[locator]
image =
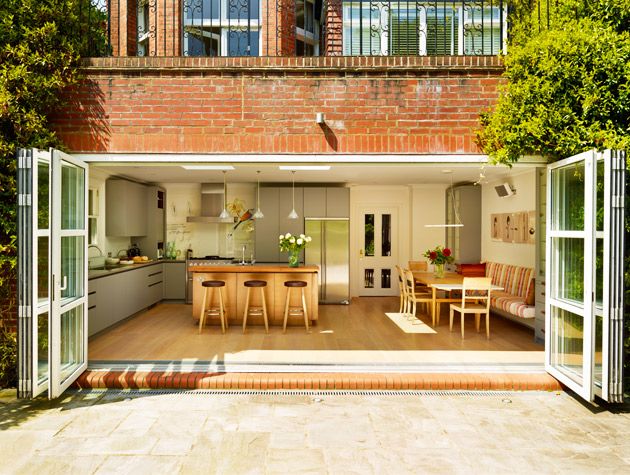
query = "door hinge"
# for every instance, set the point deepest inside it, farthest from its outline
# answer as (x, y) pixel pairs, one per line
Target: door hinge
(25, 159)
(24, 311)
(617, 201)
(24, 199)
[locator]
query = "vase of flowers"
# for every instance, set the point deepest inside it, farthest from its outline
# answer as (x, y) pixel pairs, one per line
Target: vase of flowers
(293, 245)
(438, 257)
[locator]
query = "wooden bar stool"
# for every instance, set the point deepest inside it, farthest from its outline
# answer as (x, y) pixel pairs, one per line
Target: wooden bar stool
(290, 285)
(256, 284)
(208, 294)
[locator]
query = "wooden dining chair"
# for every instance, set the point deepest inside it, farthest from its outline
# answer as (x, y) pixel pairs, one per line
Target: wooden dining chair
(414, 296)
(402, 289)
(418, 266)
(475, 300)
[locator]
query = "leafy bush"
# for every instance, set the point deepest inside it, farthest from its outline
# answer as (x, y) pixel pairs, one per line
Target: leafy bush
(8, 359)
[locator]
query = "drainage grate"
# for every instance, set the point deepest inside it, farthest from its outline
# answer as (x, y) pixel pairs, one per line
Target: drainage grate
(117, 393)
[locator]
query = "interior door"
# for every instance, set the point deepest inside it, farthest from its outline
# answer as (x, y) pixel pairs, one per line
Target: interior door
(379, 251)
(53, 236)
(584, 274)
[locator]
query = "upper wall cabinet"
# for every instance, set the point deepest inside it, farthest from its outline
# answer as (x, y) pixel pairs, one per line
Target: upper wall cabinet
(465, 242)
(125, 208)
(155, 199)
(326, 202)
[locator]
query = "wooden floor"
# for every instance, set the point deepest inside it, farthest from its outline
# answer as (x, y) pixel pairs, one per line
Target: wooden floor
(360, 331)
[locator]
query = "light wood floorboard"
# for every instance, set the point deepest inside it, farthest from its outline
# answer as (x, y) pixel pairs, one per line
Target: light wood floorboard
(168, 332)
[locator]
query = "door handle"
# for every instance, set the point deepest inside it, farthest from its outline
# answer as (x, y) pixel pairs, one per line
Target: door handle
(360, 252)
(65, 284)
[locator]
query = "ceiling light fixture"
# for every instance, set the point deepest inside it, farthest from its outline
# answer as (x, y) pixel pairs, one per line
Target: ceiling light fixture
(258, 214)
(304, 167)
(458, 222)
(224, 214)
(208, 167)
(293, 214)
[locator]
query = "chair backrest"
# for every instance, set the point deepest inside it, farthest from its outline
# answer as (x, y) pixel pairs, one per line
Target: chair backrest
(401, 280)
(418, 266)
(476, 288)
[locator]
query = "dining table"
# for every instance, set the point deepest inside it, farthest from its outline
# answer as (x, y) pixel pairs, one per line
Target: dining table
(451, 281)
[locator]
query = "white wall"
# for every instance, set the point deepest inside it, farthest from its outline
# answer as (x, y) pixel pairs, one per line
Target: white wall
(183, 200)
(427, 207)
(523, 200)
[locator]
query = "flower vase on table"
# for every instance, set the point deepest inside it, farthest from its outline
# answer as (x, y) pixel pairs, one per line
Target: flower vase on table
(293, 245)
(438, 257)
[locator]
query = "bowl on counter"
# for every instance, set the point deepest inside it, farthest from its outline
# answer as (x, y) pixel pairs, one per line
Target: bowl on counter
(110, 261)
(127, 263)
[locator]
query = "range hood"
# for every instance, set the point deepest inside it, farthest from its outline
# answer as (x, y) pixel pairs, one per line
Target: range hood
(211, 205)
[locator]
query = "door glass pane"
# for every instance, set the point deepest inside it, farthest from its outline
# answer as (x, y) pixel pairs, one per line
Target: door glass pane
(567, 342)
(368, 278)
(568, 198)
(42, 347)
(599, 273)
(72, 259)
(42, 269)
(386, 235)
(43, 190)
(71, 341)
(369, 234)
(72, 197)
(599, 197)
(597, 356)
(568, 270)
(386, 278)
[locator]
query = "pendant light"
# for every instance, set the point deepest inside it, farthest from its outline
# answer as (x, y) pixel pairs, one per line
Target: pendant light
(458, 222)
(258, 214)
(293, 214)
(224, 214)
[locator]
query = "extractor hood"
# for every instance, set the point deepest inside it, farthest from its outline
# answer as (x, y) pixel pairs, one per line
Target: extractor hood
(211, 205)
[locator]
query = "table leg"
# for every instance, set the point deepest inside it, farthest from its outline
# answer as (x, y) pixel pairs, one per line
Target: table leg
(433, 297)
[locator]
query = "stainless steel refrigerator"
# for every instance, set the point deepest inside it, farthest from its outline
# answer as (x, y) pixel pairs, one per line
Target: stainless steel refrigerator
(330, 250)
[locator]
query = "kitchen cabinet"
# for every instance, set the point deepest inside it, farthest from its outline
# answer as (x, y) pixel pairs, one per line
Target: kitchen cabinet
(114, 297)
(174, 280)
(155, 198)
(465, 242)
(326, 202)
(125, 208)
(268, 228)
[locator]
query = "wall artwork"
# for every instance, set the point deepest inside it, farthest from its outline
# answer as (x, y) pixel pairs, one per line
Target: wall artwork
(518, 227)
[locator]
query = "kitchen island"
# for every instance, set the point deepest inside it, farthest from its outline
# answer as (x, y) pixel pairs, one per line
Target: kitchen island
(275, 292)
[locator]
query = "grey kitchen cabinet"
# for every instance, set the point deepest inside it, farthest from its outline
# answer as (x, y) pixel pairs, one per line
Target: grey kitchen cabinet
(465, 242)
(115, 297)
(125, 208)
(315, 202)
(268, 228)
(174, 280)
(337, 202)
(155, 199)
(293, 226)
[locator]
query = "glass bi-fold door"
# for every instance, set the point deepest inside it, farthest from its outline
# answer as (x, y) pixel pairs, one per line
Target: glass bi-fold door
(584, 282)
(52, 289)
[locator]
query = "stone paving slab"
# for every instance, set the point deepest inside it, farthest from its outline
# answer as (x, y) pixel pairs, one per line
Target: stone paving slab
(108, 432)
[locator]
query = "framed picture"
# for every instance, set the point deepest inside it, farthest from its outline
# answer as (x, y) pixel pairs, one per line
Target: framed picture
(495, 227)
(531, 227)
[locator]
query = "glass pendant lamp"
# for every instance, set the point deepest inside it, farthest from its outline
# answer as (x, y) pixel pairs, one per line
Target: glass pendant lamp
(258, 214)
(293, 214)
(224, 214)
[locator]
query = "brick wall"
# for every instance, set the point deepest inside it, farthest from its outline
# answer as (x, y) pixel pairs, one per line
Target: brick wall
(383, 105)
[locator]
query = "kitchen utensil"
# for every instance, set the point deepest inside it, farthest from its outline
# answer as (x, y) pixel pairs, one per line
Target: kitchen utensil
(134, 251)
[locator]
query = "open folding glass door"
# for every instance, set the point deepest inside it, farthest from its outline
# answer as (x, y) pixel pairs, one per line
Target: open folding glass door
(584, 283)
(52, 274)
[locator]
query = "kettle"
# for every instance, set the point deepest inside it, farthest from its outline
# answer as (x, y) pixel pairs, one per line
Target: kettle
(134, 251)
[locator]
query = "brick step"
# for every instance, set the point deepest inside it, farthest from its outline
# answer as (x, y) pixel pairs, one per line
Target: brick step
(99, 379)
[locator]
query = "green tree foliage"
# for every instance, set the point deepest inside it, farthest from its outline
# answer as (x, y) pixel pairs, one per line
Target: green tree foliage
(40, 45)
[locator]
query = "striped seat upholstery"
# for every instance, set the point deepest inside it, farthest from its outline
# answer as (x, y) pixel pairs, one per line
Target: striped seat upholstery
(516, 282)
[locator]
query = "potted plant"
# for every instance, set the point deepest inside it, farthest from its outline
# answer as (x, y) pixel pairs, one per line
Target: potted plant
(293, 245)
(438, 257)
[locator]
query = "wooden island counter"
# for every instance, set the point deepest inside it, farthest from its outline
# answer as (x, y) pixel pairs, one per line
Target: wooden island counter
(275, 292)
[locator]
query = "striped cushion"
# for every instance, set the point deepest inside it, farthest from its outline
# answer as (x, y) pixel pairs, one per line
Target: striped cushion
(511, 304)
(495, 271)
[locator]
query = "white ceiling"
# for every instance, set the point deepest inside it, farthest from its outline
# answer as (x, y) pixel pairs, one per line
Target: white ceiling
(351, 174)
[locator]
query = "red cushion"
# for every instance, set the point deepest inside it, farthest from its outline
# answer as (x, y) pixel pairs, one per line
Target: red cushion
(472, 270)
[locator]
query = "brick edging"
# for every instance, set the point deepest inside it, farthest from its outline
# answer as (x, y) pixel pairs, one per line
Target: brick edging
(326, 381)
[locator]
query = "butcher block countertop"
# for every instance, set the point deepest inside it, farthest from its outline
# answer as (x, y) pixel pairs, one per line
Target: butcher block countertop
(263, 268)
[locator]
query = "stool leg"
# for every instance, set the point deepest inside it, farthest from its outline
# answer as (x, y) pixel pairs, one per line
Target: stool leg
(202, 315)
(246, 310)
(221, 310)
(286, 310)
(264, 309)
(225, 313)
(304, 310)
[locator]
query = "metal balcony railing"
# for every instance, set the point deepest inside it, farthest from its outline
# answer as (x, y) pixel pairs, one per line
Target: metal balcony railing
(294, 27)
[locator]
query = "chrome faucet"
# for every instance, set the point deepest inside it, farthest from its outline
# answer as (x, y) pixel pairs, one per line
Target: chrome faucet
(97, 248)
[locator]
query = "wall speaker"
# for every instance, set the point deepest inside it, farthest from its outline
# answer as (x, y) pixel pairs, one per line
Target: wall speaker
(504, 190)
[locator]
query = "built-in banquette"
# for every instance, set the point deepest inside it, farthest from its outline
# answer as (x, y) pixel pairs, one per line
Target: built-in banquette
(516, 300)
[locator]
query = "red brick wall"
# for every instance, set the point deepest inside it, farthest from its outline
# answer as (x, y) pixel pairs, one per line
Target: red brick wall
(415, 105)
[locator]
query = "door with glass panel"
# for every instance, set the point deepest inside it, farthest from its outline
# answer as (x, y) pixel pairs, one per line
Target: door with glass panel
(52, 222)
(584, 281)
(378, 255)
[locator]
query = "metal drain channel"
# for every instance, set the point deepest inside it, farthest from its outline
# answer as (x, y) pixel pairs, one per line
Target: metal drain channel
(117, 393)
